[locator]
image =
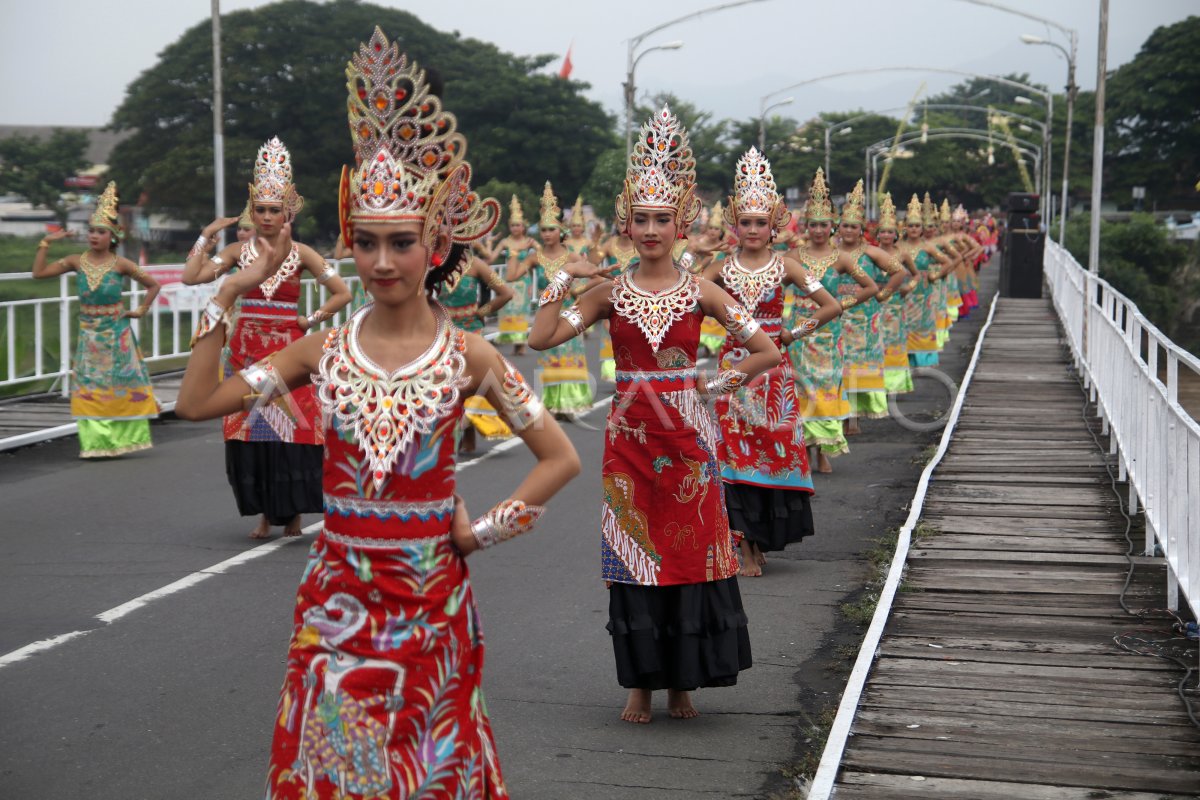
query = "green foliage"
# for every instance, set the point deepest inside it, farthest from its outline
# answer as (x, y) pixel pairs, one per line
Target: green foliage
(503, 192)
(606, 180)
(36, 168)
(284, 74)
(1138, 259)
(1153, 114)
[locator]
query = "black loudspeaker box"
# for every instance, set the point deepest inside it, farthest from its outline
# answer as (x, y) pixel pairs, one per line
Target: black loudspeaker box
(1023, 201)
(1021, 265)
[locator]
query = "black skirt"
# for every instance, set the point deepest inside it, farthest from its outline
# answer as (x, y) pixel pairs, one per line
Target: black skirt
(771, 518)
(678, 637)
(277, 479)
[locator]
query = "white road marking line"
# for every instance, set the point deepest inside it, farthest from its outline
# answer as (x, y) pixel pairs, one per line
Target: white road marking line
(188, 581)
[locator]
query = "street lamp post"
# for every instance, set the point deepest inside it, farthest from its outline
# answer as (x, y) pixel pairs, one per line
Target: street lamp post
(1072, 90)
(762, 121)
(842, 128)
(631, 61)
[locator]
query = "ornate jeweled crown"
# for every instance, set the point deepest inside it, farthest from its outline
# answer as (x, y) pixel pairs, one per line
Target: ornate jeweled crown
(273, 178)
(754, 191)
(854, 211)
(577, 211)
(515, 212)
(914, 211)
(929, 212)
(661, 173)
(960, 214)
(244, 219)
(887, 214)
(551, 214)
(945, 215)
(819, 207)
(408, 153)
(107, 214)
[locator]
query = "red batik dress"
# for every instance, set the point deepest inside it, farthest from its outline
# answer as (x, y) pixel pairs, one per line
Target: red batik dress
(273, 452)
(675, 613)
(764, 462)
(382, 697)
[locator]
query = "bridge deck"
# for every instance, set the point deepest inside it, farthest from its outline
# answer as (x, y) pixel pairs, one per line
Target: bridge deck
(998, 676)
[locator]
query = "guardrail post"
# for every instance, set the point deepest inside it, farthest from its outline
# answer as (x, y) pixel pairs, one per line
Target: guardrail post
(64, 334)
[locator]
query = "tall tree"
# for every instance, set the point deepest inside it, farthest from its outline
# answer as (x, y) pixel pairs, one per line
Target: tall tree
(284, 75)
(37, 168)
(1154, 116)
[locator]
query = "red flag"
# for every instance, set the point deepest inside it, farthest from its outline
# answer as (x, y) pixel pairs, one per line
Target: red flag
(565, 72)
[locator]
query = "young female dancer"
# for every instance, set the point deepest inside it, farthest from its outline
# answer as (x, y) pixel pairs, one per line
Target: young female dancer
(382, 696)
(675, 613)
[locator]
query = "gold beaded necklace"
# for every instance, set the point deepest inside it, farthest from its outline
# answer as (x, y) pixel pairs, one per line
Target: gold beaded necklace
(817, 268)
(94, 273)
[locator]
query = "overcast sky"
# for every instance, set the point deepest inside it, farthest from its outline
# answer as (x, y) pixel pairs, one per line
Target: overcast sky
(67, 62)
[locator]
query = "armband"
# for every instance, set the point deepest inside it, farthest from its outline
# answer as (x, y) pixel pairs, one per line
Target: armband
(519, 405)
(556, 290)
(573, 319)
(138, 272)
(220, 262)
(725, 381)
(811, 285)
(327, 273)
(805, 328)
(495, 281)
(509, 518)
(687, 261)
(856, 271)
(210, 320)
(849, 302)
(740, 325)
(264, 382)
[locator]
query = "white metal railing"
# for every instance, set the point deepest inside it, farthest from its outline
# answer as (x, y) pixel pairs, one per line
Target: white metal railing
(33, 354)
(1131, 371)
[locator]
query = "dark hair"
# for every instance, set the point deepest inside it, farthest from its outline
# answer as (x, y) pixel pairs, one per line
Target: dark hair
(459, 253)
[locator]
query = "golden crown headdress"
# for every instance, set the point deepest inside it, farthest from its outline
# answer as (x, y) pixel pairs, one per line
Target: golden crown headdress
(887, 214)
(273, 178)
(929, 212)
(945, 211)
(107, 214)
(244, 219)
(914, 211)
(408, 154)
(716, 217)
(577, 211)
(661, 173)
(754, 191)
(551, 216)
(854, 211)
(515, 212)
(960, 214)
(819, 207)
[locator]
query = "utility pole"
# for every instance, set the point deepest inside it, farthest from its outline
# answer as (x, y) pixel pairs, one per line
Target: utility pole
(1098, 142)
(218, 123)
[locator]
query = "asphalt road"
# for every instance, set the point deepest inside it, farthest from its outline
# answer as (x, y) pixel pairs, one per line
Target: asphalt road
(175, 698)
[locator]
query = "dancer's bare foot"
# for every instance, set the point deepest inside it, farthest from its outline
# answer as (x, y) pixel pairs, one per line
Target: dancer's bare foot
(262, 530)
(851, 427)
(637, 707)
(293, 527)
(760, 556)
(823, 464)
(518, 349)
(679, 705)
(750, 566)
(466, 443)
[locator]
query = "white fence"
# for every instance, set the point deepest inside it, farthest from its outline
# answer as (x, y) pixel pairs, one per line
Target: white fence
(1132, 372)
(39, 332)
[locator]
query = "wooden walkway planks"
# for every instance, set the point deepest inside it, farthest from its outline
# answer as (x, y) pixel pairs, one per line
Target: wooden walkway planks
(998, 676)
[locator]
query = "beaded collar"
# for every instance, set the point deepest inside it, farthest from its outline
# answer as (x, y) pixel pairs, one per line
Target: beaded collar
(286, 270)
(654, 312)
(94, 273)
(817, 268)
(752, 286)
(388, 411)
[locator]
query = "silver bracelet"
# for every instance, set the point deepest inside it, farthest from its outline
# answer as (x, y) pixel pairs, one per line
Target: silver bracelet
(556, 290)
(804, 328)
(198, 247)
(726, 381)
(263, 379)
(508, 519)
(573, 318)
(687, 260)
